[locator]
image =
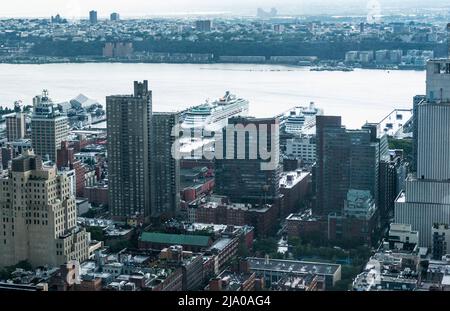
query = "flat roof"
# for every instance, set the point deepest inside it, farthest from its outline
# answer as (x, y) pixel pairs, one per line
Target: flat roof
(297, 176)
(175, 239)
(221, 244)
(293, 266)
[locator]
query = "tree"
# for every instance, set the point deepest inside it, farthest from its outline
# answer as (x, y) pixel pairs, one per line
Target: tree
(24, 264)
(96, 233)
(404, 144)
(243, 250)
(266, 246)
(118, 246)
(348, 274)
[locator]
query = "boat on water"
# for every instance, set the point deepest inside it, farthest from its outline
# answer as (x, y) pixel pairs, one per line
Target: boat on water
(213, 116)
(332, 68)
(299, 120)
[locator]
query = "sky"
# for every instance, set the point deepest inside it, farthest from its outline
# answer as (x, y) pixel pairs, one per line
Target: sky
(134, 8)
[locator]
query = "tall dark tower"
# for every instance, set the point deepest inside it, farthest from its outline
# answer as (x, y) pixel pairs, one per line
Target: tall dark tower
(239, 173)
(166, 168)
(346, 160)
(93, 17)
(129, 152)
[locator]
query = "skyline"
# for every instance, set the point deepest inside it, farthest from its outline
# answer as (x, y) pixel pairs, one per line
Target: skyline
(138, 8)
(255, 146)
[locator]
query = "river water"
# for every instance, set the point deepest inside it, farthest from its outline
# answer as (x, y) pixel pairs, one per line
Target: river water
(358, 96)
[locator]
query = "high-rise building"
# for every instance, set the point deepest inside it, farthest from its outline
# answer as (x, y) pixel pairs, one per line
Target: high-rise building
(392, 174)
(440, 246)
(15, 126)
(7, 154)
(115, 17)
(346, 159)
(438, 81)
(166, 172)
(240, 172)
(39, 216)
(49, 127)
(203, 25)
(93, 19)
(129, 129)
(426, 199)
(440, 234)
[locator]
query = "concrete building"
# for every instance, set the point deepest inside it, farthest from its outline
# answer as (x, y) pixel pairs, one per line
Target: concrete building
(392, 174)
(66, 159)
(351, 56)
(115, 17)
(303, 148)
(118, 50)
(153, 240)
(49, 127)
(366, 57)
(93, 19)
(294, 186)
(305, 225)
(346, 159)
(440, 234)
(389, 270)
(15, 126)
(274, 270)
(426, 199)
(129, 129)
(166, 173)
(240, 171)
(401, 235)
(438, 81)
(203, 25)
(97, 195)
(262, 218)
(7, 154)
(233, 281)
(359, 204)
(45, 230)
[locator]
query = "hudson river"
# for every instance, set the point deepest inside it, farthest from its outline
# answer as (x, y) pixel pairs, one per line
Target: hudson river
(358, 96)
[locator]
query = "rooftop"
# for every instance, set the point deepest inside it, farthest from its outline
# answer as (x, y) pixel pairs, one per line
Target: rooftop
(175, 239)
(291, 179)
(293, 266)
(305, 216)
(221, 244)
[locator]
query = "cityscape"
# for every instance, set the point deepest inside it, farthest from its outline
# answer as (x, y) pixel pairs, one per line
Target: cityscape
(122, 193)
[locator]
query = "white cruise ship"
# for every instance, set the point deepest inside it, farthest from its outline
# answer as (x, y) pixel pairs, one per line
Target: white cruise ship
(300, 120)
(214, 116)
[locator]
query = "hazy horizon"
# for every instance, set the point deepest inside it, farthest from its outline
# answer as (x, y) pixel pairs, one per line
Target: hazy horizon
(135, 8)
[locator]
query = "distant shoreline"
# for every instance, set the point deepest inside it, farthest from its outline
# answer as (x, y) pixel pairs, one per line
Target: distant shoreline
(53, 62)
